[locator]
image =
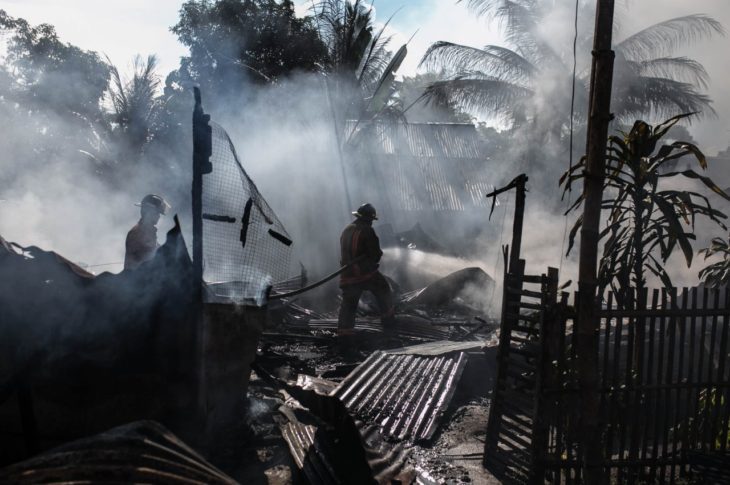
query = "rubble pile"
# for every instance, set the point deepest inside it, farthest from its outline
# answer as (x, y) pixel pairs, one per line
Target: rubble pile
(407, 389)
(387, 407)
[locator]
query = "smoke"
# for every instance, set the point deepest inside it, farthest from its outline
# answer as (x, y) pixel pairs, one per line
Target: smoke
(63, 204)
(286, 139)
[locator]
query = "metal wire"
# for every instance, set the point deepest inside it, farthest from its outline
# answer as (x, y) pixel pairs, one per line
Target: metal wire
(499, 253)
(246, 249)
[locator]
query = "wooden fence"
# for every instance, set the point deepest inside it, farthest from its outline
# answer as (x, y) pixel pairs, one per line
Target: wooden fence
(515, 437)
(664, 384)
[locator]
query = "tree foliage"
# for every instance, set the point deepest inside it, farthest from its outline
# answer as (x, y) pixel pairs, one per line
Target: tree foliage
(232, 41)
(360, 64)
(717, 274)
(356, 51)
(135, 104)
(51, 75)
(51, 96)
(528, 78)
(645, 222)
(411, 91)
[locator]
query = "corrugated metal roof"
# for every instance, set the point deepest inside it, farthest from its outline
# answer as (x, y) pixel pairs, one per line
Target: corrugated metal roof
(422, 166)
(404, 394)
(444, 140)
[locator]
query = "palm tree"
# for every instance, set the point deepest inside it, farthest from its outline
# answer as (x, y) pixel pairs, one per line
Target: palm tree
(135, 105)
(359, 57)
(527, 79)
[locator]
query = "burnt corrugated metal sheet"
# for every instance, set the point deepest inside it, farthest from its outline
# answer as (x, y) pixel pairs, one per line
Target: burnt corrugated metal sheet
(422, 166)
(315, 458)
(405, 328)
(403, 394)
(139, 452)
(439, 348)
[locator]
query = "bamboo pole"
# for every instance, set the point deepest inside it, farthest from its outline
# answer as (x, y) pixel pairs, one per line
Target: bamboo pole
(588, 323)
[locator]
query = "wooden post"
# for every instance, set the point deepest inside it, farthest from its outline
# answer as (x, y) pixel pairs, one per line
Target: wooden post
(519, 184)
(494, 421)
(202, 150)
(587, 322)
(542, 412)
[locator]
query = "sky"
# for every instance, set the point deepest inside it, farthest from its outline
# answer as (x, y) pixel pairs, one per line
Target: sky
(122, 28)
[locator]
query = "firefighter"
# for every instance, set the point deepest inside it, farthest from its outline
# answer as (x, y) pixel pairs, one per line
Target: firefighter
(359, 240)
(141, 243)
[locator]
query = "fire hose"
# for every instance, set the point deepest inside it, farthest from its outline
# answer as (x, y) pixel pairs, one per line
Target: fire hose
(317, 283)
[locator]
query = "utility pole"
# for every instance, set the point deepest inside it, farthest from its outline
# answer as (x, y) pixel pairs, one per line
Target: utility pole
(599, 117)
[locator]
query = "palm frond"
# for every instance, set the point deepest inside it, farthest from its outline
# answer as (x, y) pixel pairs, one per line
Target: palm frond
(664, 38)
(498, 62)
(681, 69)
(520, 21)
(377, 56)
(475, 92)
(374, 64)
(659, 97)
(518, 18)
(494, 8)
(134, 100)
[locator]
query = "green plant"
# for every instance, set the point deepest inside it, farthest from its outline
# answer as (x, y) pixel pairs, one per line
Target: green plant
(716, 274)
(644, 223)
(706, 422)
(135, 105)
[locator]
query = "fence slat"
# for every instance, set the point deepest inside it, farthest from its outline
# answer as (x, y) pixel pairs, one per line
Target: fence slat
(679, 325)
(725, 422)
(637, 420)
(651, 396)
(658, 408)
(625, 417)
(615, 389)
(605, 401)
(720, 376)
(690, 392)
(671, 350)
(701, 375)
(708, 438)
(660, 353)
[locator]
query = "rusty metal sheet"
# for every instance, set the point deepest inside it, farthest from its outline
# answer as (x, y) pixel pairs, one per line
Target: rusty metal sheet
(404, 394)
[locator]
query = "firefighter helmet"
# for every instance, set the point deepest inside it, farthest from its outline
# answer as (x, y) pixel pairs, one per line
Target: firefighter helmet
(156, 202)
(366, 211)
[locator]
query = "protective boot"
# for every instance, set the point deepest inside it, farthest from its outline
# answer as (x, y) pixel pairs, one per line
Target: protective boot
(345, 339)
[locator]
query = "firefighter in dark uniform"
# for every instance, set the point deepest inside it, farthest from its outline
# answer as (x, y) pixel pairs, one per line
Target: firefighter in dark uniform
(359, 240)
(141, 243)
